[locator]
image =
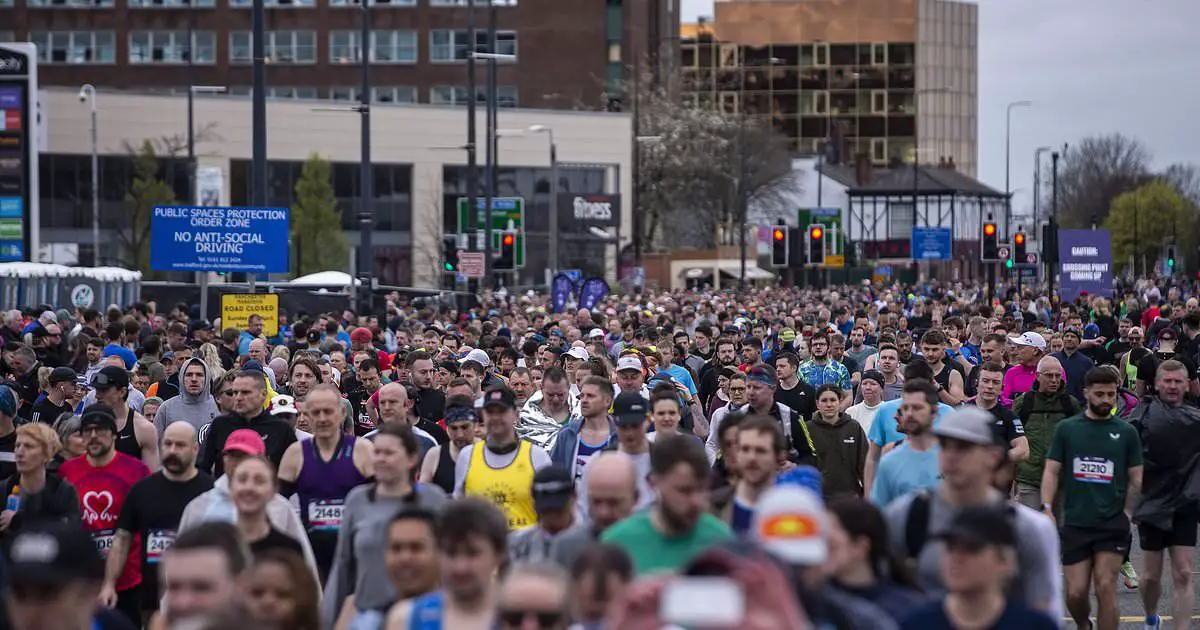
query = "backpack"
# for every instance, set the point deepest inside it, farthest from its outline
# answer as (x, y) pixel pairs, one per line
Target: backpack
(916, 526)
(1026, 410)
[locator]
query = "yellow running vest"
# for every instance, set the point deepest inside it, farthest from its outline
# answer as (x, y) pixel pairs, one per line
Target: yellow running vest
(509, 488)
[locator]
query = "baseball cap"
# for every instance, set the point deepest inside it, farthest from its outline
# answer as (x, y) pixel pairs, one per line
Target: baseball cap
(111, 376)
(62, 374)
(54, 554)
(968, 424)
(1091, 331)
(246, 441)
(1030, 339)
(790, 522)
(499, 395)
(361, 335)
(99, 416)
(629, 409)
(629, 362)
(578, 353)
(8, 401)
(596, 333)
(284, 405)
(113, 350)
(553, 487)
(478, 356)
(980, 525)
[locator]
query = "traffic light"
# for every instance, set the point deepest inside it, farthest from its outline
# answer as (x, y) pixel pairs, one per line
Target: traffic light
(989, 245)
(779, 246)
(450, 254)
(816, 244)
(506, 261)
(1170, 258)
(1018, 253)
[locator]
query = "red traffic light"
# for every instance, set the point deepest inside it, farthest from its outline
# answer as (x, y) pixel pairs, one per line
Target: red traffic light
(815, 233)
(778, 234)
(508, 240)
(1019, 238)
(989, 229)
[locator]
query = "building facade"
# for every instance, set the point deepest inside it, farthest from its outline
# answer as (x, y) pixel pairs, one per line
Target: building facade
(894, 80)
(569, 54)
(418, 170)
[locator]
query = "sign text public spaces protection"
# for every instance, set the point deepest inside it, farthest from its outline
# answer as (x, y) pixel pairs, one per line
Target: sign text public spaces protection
(190, 238)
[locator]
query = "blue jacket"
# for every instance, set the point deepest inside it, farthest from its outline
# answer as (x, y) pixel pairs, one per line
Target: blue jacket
(562, 453)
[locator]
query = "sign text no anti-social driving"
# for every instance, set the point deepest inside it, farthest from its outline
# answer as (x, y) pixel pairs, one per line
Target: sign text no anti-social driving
(194, 238)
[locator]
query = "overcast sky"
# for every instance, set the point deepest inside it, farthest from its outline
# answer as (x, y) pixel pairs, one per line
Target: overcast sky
(1090, 67)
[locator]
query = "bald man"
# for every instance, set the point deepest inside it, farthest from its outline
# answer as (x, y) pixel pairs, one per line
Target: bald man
(394, 407)
(152, 511)
(610, 490)
(1040, 410)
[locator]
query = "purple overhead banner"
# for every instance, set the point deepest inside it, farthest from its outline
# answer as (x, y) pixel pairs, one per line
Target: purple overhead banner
(1085, 258)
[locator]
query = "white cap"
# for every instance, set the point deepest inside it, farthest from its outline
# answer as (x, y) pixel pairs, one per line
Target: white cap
(1031, 339)
(596, 333)
(629, 362)
(283, 404)
(578, 353)
(478, 356)
(790, 522)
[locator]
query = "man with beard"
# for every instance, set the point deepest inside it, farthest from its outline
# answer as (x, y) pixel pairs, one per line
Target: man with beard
(1168, 339)
(369, 382)
(152, 512)
(947, 376)
(678, 525)
(194, 404)
(554, 398)
(249, 390)
(760, 446)
(821, 369)
(913, 465)
(725, 356)
(104, 478)
(1099, 491)
(429, 402)
(438, 466)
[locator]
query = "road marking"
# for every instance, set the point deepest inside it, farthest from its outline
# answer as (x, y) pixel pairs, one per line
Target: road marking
(1141, 618)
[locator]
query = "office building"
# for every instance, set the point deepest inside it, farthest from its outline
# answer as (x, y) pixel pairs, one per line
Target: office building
(888, 79)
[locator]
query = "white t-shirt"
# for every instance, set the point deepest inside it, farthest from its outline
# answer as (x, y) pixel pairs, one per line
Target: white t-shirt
(863, 414)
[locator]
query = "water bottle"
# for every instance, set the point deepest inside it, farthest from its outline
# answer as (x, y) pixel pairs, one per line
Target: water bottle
(14, 500)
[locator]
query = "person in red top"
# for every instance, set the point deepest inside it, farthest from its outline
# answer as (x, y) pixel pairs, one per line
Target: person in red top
(103, 478)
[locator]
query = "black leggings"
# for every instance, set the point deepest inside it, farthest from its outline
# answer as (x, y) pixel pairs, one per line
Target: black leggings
(129, 604)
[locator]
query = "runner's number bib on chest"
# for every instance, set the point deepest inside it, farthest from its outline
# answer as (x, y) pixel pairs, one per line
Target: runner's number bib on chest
(158, 541)
(1093, 469)
(104, 540)
(326, 514)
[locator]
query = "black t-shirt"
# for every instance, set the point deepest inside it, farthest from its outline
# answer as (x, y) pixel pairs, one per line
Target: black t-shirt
(8, 461)
(276, 539)
(801, 398)
(430, 404)
(363, 424)
(1147, 368)
(153, 509)
(46, 411)
(1008, 427)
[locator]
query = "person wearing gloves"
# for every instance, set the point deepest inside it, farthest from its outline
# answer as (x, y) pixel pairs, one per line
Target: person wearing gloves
(194, 404)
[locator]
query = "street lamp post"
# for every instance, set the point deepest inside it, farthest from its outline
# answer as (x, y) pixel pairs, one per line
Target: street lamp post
(553, 195)
(88, 93)
(1008, 160)
(1037, 184)
(192, 168)
(491, 147)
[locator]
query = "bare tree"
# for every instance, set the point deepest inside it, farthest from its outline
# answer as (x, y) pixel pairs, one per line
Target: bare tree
(1185, 178)
(1092, 173)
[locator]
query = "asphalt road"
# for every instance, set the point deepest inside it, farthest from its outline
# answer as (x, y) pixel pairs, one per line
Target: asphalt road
(1131, 601)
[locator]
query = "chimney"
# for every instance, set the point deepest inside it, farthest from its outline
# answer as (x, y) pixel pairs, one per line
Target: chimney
(864, 171)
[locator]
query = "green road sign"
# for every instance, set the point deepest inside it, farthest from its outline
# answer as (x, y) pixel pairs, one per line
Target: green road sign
(506, 212)
(831, 218)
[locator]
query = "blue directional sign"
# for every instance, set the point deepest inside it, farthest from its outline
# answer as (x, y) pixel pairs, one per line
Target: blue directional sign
(192, 238)
(932, 243)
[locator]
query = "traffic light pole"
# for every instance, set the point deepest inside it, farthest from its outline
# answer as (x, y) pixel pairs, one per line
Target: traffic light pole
(1053, 225)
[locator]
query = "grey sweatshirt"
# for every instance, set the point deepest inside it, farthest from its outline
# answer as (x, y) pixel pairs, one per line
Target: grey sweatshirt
(358, 567)
(198, 410)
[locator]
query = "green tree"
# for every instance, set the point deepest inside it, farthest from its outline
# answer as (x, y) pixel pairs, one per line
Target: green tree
(317, 240)
(1142, 220)
(146, 192)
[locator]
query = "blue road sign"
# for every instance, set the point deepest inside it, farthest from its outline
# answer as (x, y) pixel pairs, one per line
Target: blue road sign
(188, 238)
(932, 243)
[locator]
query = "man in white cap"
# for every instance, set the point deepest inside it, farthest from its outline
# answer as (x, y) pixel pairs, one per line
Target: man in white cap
(631, 376)
(572, 359)
(1019, 378)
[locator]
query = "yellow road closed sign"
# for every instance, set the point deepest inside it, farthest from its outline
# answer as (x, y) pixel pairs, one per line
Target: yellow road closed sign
(236, 309)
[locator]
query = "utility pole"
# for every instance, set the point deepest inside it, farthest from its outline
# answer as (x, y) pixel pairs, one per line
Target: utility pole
(258, 170)
(472, 183)
(366, 213)
(1052, 228)
(492, 145)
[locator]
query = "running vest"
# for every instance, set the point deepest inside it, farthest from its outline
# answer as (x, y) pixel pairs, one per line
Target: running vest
(321, 488)
(443, 475)
(509, 488)
(427, 612)
(127, 440)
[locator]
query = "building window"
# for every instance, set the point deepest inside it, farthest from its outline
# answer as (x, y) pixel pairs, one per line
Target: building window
(374, 3)
(73, 4)
(170, 47)
(273, 3)
(344, 47)
(451, 45)
(448, 95)
(394, 46)
(879, 54)
(729, 102)
(171, 3)
(821, 55)
(343, 93)
(394, 94)
(479, 3)
(614, 52)
(879, 153)
(286, 92)
(75, 47)
(284, 47)
(728, 54)
(879, 104)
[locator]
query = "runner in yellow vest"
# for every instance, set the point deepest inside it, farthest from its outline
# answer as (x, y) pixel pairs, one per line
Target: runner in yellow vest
(500, 469)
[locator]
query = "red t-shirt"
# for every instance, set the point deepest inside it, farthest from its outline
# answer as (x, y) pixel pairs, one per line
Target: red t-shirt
(102, 491)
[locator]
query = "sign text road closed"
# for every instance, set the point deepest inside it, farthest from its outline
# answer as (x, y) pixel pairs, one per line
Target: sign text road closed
(190, 238)
(236, 309)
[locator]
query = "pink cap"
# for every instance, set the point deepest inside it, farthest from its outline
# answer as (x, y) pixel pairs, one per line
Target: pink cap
(246, 441)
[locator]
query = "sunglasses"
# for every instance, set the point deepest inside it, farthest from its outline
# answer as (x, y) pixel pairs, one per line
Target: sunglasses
(514, 618)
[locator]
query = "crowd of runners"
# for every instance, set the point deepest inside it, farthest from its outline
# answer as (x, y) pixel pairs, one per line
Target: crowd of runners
(849, 458)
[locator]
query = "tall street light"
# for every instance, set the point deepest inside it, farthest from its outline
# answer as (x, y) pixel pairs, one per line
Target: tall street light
(1008, 159)
(1037, 184)
(193, 90)
(553, 195)
(491, 148)
(88, 93)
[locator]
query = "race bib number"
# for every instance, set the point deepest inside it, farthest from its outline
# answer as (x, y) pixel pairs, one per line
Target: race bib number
(325, 515)
(104, 541)
(1093, 470)
(158, 541)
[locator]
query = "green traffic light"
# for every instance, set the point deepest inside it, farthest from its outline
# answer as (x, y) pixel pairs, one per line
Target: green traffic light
(1170, 262)
(448, 266)
(1008, 264)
